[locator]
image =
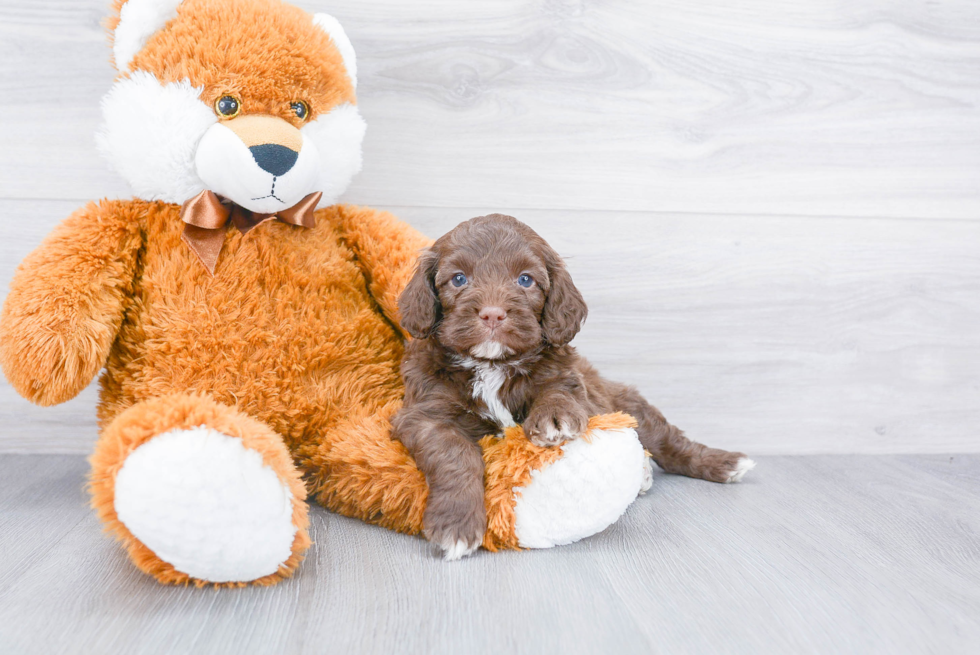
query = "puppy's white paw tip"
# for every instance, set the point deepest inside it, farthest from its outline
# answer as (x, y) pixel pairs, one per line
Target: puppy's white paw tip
(457, 550)
(647, 480)
(743, 466)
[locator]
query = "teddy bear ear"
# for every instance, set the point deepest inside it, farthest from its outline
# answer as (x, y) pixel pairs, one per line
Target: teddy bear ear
(136, 23)
(332, 27)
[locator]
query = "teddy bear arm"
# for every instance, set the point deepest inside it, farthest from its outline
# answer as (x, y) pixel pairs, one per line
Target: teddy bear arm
(386, 250)
(66, 303)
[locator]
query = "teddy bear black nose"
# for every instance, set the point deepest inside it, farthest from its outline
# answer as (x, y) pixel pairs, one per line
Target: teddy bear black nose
(274, 158)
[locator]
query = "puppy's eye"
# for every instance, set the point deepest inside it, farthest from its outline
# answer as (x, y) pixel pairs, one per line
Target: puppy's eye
(525, 280)
(459, 280)
(301, 109)
(227, 106)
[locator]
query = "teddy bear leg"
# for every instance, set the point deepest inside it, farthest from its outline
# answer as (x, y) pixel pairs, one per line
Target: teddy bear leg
(358, 470)
(199, 492)
(535, 497)
(542, 497)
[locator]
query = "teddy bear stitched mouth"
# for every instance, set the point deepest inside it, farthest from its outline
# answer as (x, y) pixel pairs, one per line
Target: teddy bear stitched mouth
(272, 192)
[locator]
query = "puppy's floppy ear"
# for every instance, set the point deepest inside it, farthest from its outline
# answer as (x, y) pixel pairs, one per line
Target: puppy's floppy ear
(418, 304)
(564, 308)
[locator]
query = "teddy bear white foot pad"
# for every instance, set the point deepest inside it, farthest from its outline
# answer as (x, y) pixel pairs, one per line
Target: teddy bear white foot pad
(207, 505)
(582, 493)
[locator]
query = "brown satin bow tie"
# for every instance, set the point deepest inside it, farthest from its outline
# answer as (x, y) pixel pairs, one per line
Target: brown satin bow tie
(206, 215)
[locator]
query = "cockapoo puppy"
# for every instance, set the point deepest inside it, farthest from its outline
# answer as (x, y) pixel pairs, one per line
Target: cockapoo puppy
(492, 309)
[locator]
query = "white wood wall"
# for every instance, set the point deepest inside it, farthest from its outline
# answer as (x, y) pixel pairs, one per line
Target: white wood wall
(772, 206)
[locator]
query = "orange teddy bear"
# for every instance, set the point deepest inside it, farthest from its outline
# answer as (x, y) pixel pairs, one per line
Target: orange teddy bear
(247, 325)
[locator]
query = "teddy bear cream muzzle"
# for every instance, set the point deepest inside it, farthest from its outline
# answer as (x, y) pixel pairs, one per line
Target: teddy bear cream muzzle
(274, 143)
(259, 162)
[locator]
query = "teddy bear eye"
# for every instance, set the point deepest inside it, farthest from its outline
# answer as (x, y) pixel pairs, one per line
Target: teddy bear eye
(301, 109)
(227, 106)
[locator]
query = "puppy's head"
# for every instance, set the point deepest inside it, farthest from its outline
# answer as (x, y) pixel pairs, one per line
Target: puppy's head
(492, 289)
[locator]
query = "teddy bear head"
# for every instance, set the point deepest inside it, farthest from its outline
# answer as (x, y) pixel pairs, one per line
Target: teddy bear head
(250, 99)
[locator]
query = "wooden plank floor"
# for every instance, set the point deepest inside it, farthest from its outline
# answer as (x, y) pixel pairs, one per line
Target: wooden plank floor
(816, 554)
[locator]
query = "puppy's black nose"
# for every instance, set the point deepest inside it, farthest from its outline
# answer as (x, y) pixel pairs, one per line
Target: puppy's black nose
(274, 158)
(492, 315)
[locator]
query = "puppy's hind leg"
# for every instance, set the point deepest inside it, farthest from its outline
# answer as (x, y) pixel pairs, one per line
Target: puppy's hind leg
(671, 450)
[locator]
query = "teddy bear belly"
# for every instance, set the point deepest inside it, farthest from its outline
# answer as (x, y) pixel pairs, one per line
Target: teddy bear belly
(296, 350)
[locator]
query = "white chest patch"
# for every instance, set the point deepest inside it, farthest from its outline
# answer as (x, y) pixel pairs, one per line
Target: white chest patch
(487, 380)
(491, 350)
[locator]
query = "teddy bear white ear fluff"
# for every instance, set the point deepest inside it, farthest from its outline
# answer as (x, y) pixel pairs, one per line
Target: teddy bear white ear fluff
(150, 134)
(138, 21)
(332, 26)
(337, 136)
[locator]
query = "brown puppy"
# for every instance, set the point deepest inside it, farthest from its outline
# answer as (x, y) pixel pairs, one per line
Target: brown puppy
(492, 310)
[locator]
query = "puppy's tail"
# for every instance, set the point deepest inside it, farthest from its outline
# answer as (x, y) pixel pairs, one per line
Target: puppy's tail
(671, 450)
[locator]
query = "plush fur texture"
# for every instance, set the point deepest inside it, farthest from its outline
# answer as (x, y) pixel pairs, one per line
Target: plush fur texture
(291, 346)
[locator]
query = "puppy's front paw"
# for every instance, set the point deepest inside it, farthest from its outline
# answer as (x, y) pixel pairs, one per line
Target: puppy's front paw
(723, 466)
(455, 531)
(551, 425)
(454, 550)
(742, 466)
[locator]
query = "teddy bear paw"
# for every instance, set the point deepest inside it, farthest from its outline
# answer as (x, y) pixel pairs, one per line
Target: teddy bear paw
(583, 492)
(206, 505)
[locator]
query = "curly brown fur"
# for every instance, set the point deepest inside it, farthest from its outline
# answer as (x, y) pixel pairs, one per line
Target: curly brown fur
(492, 309)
